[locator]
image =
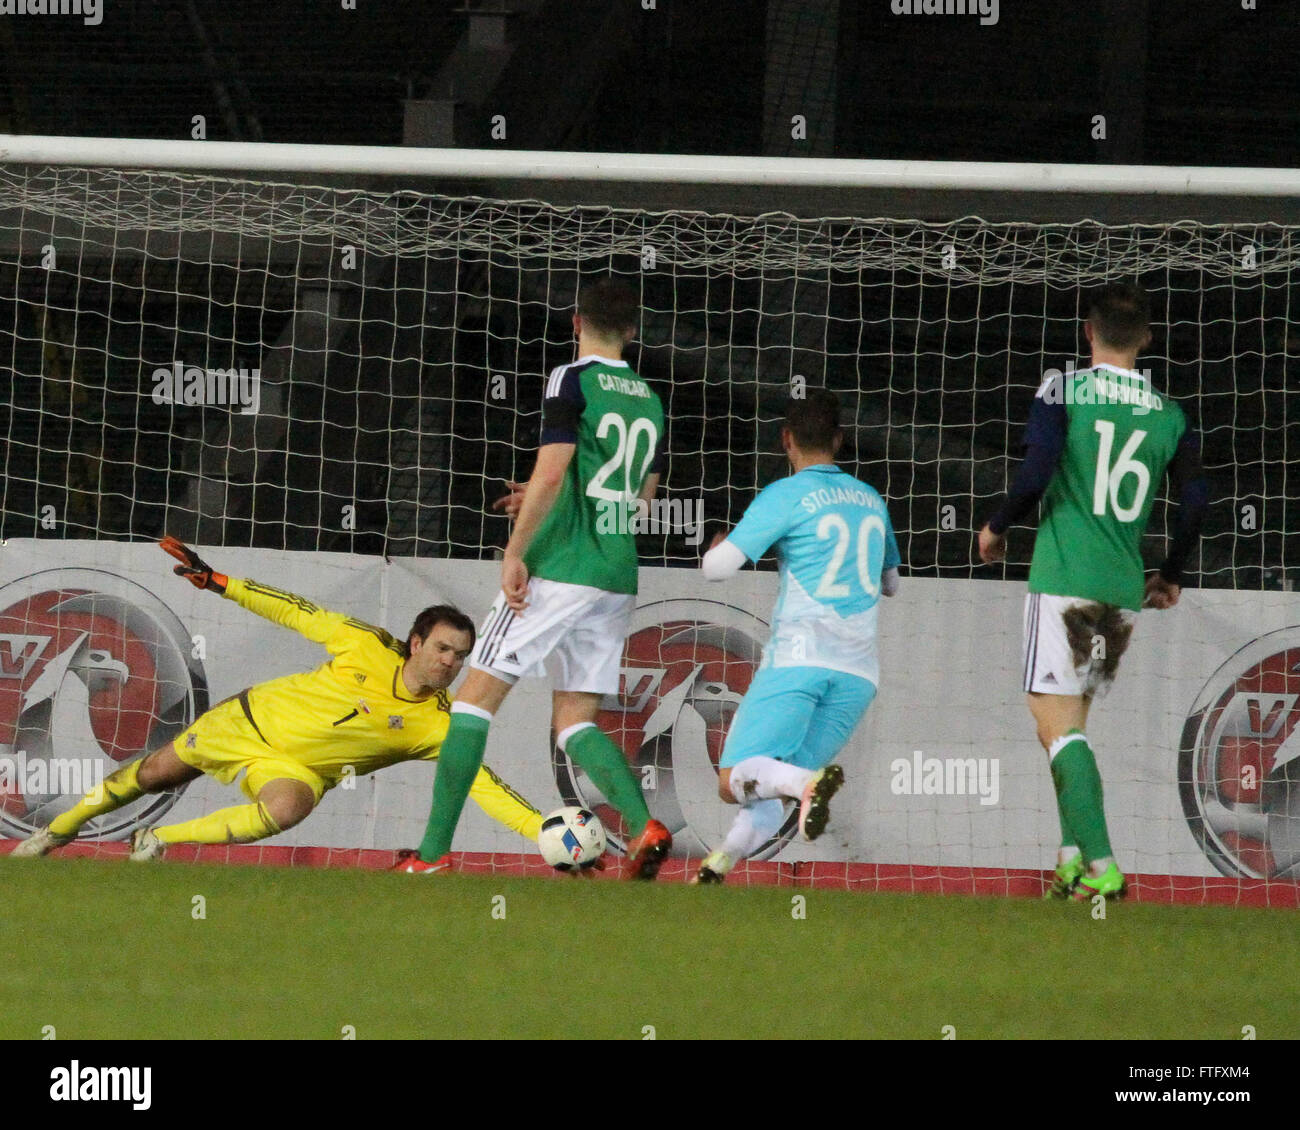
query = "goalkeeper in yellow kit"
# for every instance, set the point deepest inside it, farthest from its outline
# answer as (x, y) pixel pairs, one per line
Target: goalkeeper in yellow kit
(377, 702)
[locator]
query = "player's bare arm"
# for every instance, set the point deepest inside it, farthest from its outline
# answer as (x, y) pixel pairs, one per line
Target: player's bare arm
(510, 502)
(992, 547)
(543, 488)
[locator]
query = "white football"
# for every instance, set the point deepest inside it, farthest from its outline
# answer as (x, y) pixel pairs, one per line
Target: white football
(571, 839)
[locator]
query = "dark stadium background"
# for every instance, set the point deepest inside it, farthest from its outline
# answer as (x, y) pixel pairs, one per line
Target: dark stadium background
(1200, 83)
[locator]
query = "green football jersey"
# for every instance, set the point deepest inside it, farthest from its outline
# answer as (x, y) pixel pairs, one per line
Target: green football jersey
(616, 421)
(1120, 438)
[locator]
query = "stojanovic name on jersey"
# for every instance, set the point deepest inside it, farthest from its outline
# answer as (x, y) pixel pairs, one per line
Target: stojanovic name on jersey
(1089, 386)
(102, 1084)
(829, 496)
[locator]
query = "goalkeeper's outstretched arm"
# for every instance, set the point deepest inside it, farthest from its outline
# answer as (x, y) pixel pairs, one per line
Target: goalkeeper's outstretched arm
(504, 805)
(280, 607)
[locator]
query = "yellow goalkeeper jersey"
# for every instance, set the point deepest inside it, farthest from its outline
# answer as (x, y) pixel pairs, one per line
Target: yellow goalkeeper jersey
(355, 711)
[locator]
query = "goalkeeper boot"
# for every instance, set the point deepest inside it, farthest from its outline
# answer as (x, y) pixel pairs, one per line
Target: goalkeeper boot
(145, 846)
(410, 863)
(1065, 878)
(646, 853)
(1109, 884)
(814, 806)
(39, 844)
(714, 869)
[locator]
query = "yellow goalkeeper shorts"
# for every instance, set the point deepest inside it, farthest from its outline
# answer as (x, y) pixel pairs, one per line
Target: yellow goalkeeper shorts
(224, 743)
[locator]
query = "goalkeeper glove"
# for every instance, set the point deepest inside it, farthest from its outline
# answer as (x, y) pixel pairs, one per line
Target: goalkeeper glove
(193, 568)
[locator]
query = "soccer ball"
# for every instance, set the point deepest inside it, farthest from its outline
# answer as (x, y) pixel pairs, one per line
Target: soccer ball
(571, 839)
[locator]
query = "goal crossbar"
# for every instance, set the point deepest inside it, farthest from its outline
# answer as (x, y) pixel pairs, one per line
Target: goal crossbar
(812, 172)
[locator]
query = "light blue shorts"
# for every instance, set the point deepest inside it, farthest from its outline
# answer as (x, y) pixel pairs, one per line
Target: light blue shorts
(801, 715)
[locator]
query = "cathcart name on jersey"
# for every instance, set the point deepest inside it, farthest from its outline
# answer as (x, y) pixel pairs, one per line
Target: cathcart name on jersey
(626, 385)
(658, 516)
(829, 496)
(1073, 387)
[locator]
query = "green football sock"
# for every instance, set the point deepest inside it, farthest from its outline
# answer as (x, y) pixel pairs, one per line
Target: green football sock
(459, 759)
(592, 750)
(1078, 794)
(1068, 838)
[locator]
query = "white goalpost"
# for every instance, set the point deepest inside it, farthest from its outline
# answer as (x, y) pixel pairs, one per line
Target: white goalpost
(483, 164)
(333, 357)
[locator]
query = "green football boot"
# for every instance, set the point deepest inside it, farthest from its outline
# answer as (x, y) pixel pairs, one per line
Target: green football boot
(1065, 878)
(1109, 884)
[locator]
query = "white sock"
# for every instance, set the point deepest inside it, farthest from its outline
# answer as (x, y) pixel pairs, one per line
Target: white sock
(754, 825)
(1098, 866)
(764, 778)
(1065, 854)
(562, 738)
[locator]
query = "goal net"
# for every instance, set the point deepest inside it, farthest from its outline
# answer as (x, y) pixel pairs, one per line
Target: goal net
(327, 387)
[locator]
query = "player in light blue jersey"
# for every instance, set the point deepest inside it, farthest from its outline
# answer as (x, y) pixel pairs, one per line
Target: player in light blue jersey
(837, 554)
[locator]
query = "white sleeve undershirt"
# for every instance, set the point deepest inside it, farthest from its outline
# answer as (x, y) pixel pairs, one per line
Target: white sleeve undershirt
(727, 559)
(724, 560)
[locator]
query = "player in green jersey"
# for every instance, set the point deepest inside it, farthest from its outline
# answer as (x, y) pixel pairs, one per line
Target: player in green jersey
(1097, 446)
(568, 579)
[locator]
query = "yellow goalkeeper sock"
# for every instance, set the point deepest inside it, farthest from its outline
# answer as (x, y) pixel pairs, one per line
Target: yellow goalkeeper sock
(115, 790)
(241, 824)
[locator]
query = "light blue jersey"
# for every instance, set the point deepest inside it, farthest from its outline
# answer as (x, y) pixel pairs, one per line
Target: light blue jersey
(833, 540)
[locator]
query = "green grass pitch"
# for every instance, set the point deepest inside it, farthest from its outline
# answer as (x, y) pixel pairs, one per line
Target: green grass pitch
(104, 949)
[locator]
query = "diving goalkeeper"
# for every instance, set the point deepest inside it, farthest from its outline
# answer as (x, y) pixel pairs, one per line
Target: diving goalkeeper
(377, 702)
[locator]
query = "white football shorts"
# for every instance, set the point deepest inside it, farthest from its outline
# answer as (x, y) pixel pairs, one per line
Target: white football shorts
(1072, 645)
(573, 633)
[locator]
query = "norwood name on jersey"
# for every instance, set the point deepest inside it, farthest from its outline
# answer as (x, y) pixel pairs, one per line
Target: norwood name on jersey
(1095, 386)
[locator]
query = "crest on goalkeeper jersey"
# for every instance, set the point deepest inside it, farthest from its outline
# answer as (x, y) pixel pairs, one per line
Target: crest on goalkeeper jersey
(1239, 761)
(93, 668)
(686, 666)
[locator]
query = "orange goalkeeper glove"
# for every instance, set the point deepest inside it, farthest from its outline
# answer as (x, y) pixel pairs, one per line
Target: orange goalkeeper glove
(193, 568)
